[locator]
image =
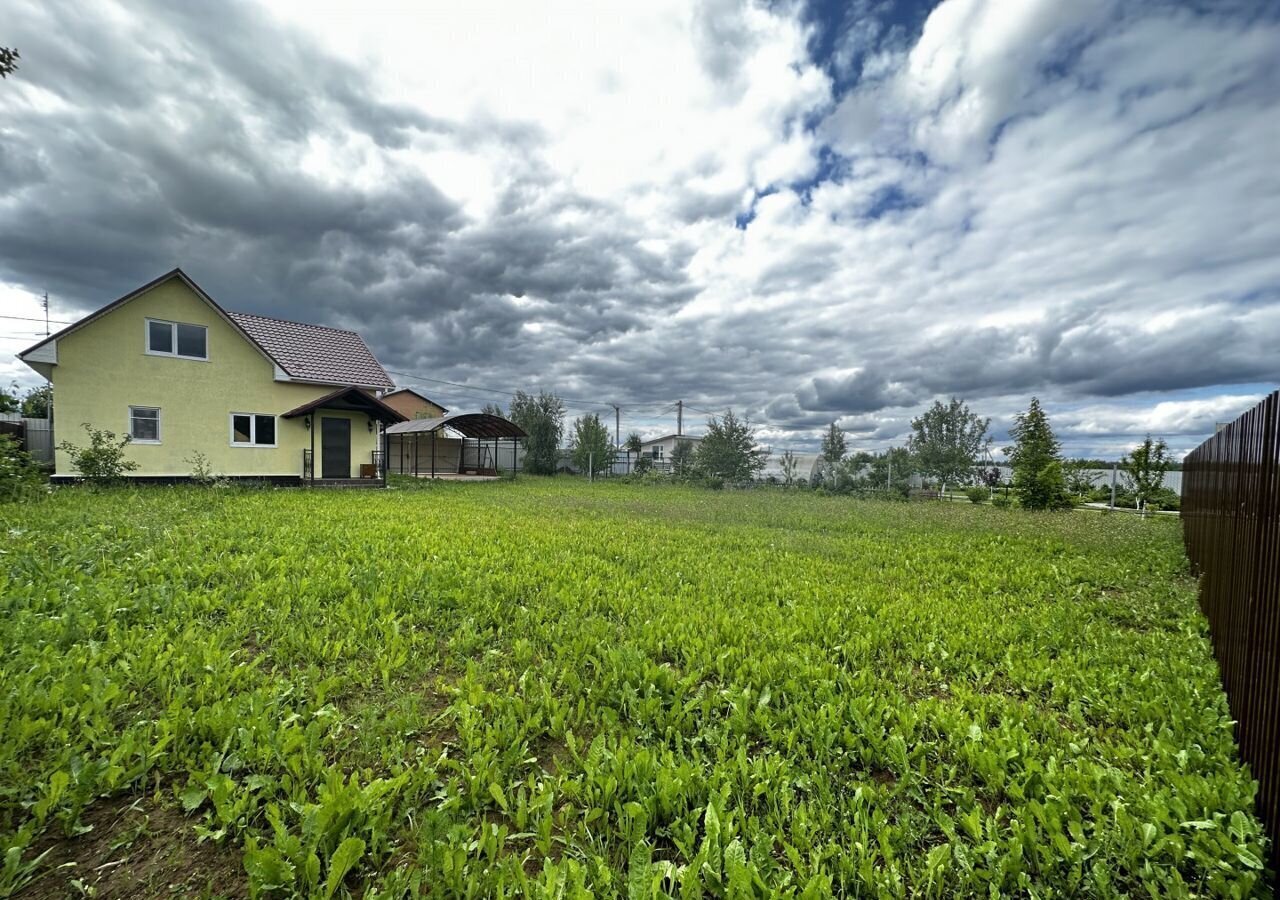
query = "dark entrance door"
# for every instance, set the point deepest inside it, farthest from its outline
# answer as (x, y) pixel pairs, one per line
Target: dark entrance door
(335, 448)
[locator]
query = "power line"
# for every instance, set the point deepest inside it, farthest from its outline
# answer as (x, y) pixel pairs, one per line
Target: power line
(32, 319)
(578, 402)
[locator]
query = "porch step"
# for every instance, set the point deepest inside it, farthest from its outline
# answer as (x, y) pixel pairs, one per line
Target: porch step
(346, 483)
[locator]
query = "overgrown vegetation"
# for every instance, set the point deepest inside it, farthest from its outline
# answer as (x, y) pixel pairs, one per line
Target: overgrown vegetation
(20, 477)
(544, 688)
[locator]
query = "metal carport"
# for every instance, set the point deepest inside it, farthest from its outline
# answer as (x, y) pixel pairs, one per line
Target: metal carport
(414, 446)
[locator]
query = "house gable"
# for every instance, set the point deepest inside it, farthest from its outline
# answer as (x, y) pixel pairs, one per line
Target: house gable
(413, 405)
(313, 354)
(45, 353)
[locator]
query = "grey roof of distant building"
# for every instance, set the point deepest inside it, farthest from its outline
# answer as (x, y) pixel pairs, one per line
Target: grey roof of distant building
(667, 437)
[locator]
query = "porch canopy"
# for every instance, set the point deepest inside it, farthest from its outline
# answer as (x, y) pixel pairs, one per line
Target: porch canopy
(346, 399)
(479, 459)
(351, 399)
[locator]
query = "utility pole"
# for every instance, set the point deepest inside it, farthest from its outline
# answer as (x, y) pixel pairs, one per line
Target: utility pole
(679, 417)
(617, 425)
(45, 304)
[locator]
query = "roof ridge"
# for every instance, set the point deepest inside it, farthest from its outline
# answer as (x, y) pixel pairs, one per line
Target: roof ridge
(294, 322)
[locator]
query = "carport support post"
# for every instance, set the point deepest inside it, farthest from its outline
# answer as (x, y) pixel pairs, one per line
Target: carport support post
(433, 455)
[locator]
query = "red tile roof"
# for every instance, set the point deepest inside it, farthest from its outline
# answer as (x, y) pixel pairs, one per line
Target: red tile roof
(315, 352)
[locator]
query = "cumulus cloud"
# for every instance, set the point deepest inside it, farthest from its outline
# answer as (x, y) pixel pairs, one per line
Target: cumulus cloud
(805, 217)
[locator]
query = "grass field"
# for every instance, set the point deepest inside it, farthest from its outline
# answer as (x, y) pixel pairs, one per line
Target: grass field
(549, 688)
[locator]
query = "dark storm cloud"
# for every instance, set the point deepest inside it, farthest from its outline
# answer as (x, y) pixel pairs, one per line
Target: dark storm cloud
(177, 143)
(162, 135)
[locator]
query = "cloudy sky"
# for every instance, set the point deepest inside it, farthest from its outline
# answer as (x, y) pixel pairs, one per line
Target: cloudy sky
(806, 211)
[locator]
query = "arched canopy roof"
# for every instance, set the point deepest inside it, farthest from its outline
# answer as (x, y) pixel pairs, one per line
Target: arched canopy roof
(472, 425)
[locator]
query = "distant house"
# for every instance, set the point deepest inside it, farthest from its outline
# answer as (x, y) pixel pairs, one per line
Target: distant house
(412, 405)
(659, 449)
(258, 397)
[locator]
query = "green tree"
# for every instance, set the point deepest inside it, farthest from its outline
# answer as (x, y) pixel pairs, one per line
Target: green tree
(946, 441)
(1144, 469)
(683, 458)
(892, 469)
(633, 442)
(10, 402)
(833, 445)
(729, 449)
(493, 409)
(542, 419)
(789, 465)
(8, 61)
(36, 402)
(1076, 477)
(103, 461)
(1035, 458)
(592, 449)
(832, 454)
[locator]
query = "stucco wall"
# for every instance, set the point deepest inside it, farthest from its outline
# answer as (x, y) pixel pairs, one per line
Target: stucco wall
(103, 369)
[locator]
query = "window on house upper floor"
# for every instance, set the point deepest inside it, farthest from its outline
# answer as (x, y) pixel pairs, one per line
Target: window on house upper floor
(253, 430)
(144, 424)
(177, 339)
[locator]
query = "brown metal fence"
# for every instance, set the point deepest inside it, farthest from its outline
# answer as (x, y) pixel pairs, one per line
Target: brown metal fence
(1231, 524)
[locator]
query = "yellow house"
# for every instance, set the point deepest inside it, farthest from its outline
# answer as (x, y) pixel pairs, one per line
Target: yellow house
(258, 397)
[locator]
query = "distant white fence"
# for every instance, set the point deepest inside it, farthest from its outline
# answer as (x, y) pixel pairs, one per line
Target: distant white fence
(1102, 478)
(36, 435)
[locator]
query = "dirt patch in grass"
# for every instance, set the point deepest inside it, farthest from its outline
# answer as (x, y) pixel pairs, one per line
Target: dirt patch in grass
(883, 777)
(551, 753)
(135, 850)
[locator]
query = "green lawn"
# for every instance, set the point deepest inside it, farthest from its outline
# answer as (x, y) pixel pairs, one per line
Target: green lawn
(549, 688)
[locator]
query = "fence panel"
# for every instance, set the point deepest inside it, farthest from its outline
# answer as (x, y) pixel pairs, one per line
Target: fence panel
(36, 435)
(1231, 525)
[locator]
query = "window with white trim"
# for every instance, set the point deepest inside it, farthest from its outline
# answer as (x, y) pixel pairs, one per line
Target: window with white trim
(253, 430)
(144, 424)
(177, 339)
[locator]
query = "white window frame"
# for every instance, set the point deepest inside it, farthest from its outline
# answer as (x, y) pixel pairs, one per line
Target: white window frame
(129, 427)
(253, 431)
(173, 339)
